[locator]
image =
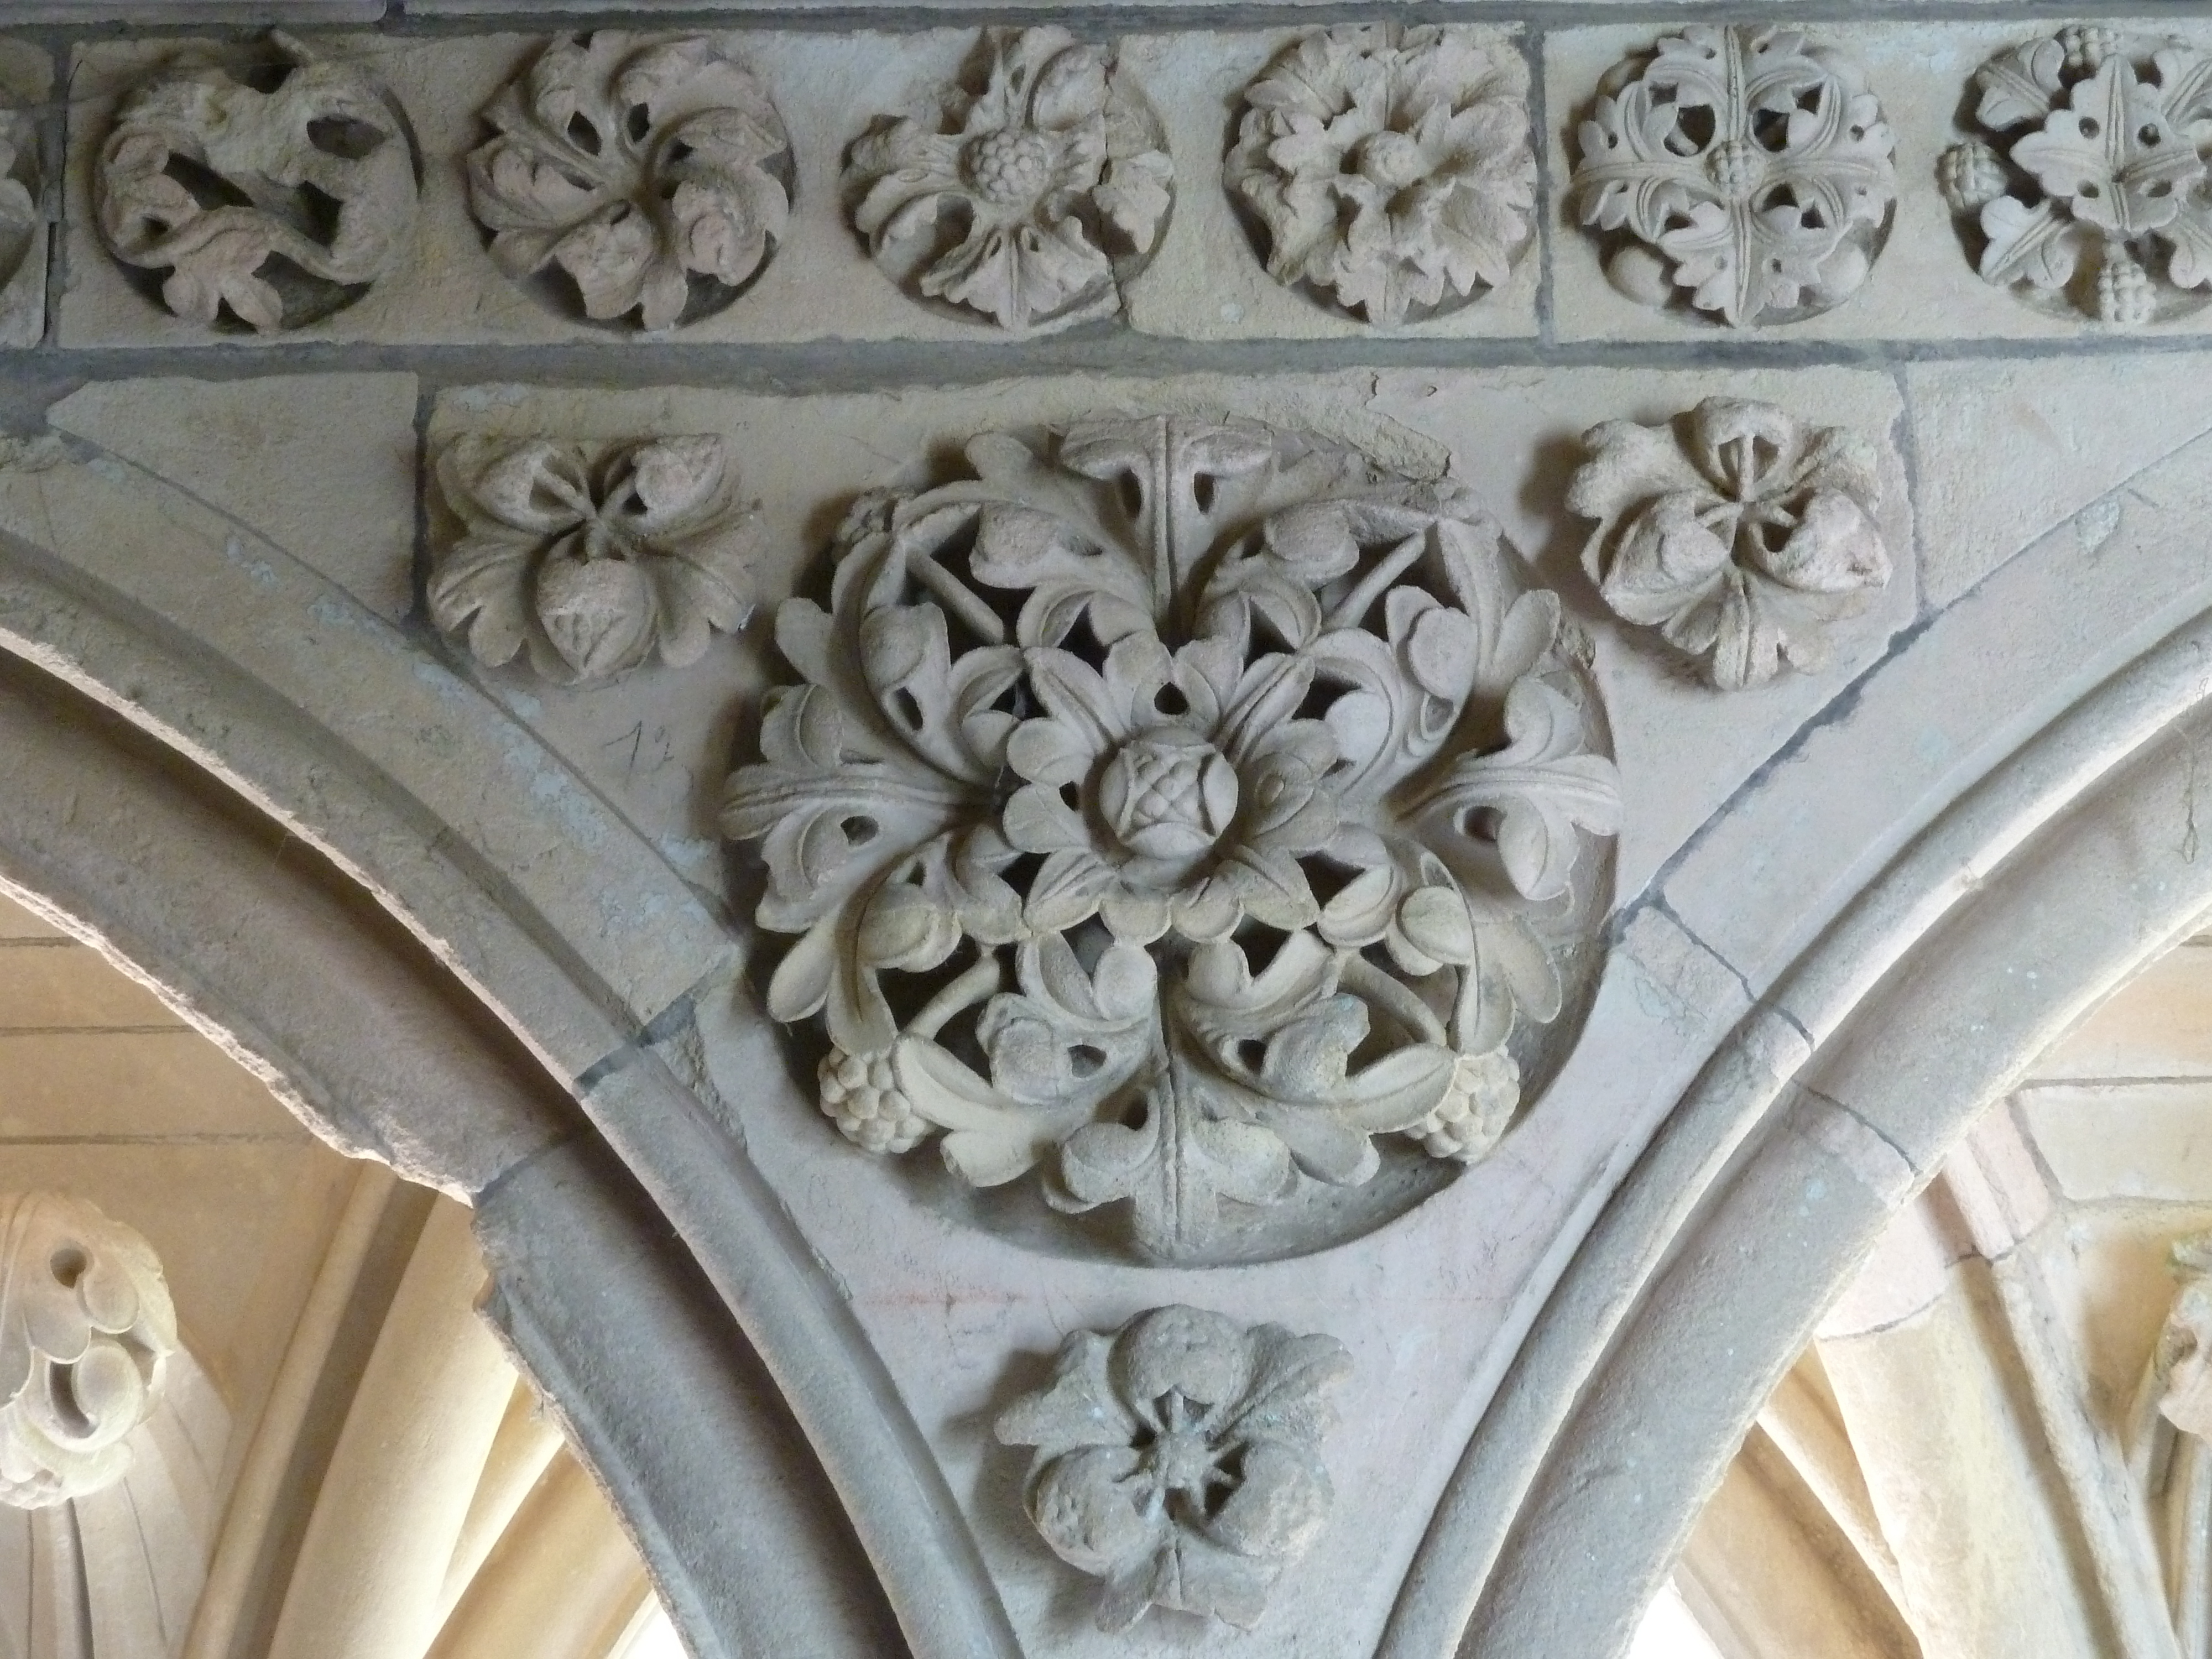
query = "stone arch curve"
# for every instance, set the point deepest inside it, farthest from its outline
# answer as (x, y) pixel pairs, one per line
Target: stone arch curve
(2006, 920)
(178, 805)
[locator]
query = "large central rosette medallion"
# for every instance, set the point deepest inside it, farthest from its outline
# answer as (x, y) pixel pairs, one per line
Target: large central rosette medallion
(1196, 813)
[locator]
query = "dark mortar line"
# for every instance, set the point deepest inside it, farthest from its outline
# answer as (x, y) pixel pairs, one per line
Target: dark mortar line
(1869, 1126)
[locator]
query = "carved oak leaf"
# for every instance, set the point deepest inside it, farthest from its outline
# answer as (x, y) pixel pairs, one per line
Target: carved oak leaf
(1018, 200)
(594, 563)
(86, 1331)
(635, 169)
(1178, 1459)
(1741, 533)
(1245, 669)
(1390, 166)
(325, 134)
(2102, 201)
(1757, 167)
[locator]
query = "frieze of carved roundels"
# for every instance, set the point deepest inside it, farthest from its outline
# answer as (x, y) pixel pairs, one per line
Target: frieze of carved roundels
(2085, 190)
(85, 1331)
(1179, 1460)
(1026, 199)
(1743, 169)
(267, 209)
(1388, 166)
(1175, 807)
(593, 559)
(1740, 532)
(654, 179)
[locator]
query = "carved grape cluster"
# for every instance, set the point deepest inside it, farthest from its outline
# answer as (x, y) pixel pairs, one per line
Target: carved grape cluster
(1179, 805)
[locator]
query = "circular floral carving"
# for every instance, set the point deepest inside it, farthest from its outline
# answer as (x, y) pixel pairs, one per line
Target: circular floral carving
(1738, 532)
(594, 559)
(1027, 201)
(86, 1331)
(2098, 202)
(1179, 1460)
(1179, 805)
(231, 190)
(1740, 165)
(657, 178)
(1390, 166)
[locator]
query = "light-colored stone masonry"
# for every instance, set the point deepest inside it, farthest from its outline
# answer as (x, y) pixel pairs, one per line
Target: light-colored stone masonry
(966, 764)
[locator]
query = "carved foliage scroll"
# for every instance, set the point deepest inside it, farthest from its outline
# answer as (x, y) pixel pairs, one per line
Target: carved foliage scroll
(276, 208)
(1179, 1460)
(1390, 166)
(1742, 167)
(593, 558)
(2086, 189)
(1026, 201)
(1175, 806)
(85, 1330)
(656, 178)
(1738, 531)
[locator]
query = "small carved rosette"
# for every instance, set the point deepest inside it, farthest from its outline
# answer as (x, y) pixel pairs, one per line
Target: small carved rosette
(594, 558)
(654, 179)
(1738, 531)
(1388, 168)
(85, 1331)
(1179, 1460)
(1178, 805)
(2085, 191)
(1742, 169)
(268, 209)
(1029, 201)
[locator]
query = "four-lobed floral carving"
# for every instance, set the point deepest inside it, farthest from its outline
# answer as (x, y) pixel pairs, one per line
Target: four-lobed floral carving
(1741, 165)
(227, 188)
(594, 558)
(85, 1331)
(1027, 201)
(1389, 166)
(1738, 531)
(656, 177)
(2098, 201)
(1179, 1460)
(1180, 804)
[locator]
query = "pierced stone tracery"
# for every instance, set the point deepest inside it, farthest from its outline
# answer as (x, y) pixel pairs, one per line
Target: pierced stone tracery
(1178, 805)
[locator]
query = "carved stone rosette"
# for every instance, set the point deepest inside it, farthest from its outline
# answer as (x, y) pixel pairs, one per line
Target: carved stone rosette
(594, 558)
(1179, 805)
(1741, 169)
(278, 207)
(85, 1330)
(2085, 190)
(1179, 1460)
(655, 178)
(22, 274)
(1028, 201)
(1738, 531)
(1388, 166)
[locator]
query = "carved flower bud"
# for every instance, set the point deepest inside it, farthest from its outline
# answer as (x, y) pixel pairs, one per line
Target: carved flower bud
(1484, 1090)
(2086, 47)
(860, 1095)
(1169, 794)
(2124, 295)
(86, 1331)
(1736, 166)
(1970, 176)
(1011, 167)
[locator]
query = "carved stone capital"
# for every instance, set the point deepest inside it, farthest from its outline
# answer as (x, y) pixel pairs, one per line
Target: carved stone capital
(86, 1331)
